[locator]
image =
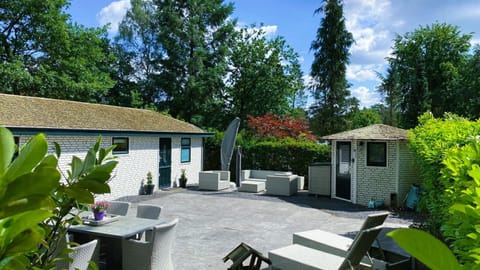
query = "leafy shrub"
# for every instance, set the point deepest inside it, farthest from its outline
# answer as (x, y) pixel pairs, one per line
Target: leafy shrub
(283, 154)
(430, 142)
(461, 176)
(36, 207)
(24, 200)
(448, 152)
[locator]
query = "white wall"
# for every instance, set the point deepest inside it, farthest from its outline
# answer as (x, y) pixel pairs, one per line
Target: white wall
(132, 168)
(193, 167)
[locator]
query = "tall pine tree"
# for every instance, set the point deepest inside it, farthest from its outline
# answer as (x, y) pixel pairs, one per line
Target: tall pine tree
(195, 37)
(329, 84)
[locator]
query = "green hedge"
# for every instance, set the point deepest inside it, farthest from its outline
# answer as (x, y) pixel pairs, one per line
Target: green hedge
(285, 154)
(448, 152)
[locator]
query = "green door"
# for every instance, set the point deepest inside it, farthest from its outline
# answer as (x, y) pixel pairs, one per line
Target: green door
(165, 166)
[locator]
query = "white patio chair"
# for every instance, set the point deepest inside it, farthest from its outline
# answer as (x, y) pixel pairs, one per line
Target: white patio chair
(149, 211)
(118, 208)
(154, 253)
(213, 180)
(80, 256)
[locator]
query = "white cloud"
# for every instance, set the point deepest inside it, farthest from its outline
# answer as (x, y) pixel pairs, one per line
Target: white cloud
(364, 20)
(366, 96)
(113, 14)
(362, 72)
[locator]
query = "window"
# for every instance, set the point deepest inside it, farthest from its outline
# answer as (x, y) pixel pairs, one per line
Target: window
(122, 145)
(377, 154)
(185, 151)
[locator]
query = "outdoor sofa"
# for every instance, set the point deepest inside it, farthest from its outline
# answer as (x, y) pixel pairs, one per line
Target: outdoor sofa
(275, 182)
(213, 180)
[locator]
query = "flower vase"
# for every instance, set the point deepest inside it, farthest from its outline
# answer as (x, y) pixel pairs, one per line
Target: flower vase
(99, 215)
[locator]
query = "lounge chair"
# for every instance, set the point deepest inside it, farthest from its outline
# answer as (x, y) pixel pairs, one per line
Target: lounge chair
(301, 257)
(334, 243)
(213, 180)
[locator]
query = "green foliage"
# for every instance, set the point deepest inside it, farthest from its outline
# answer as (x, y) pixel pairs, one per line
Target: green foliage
(137, 51)
(36, 207)
(461, 176)
(24, 200)
(42, 54)
(430, 141)
(426, 248)
(265, 70)
(425, 73)
(328, 71)
(285, 154)
(448, 154)
(362, 118)
(195, 38)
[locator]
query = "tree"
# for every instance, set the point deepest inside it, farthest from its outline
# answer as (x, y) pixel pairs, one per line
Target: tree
(362, 118)
(328, 70)
(137, 50)
(391, 91)
(470, 83)
(426, 66)
(41, 54)
(272, 126)
(265, 71)
(195, 38)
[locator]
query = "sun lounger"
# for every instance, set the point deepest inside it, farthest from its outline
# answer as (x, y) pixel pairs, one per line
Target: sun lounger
(334, 243)
(301, 257)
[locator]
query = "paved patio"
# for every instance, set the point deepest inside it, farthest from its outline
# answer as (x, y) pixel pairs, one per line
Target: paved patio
(213, 223)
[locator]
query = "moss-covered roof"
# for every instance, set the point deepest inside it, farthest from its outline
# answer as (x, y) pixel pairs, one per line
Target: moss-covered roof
(373, 132)
(44, 113)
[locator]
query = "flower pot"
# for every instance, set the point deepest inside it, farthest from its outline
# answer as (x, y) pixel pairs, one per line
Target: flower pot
(99, 215)
(183, 182)
(149, 189)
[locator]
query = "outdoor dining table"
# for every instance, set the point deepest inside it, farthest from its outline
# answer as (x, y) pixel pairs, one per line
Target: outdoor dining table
(111, 236)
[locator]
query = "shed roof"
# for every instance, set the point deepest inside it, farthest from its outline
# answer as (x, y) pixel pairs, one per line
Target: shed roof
(44, 113)
(373, 132)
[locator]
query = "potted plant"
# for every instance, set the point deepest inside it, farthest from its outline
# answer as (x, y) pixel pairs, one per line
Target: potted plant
(99, 209)
(149, 186)
(183, 179)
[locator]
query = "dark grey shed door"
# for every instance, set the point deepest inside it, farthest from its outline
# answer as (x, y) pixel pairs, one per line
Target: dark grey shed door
(343, 167)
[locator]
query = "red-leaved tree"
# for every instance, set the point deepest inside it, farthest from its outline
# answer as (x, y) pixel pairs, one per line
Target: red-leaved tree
(271, 125)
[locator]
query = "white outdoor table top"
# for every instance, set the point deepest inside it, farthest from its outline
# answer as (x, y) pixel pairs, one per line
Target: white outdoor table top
(124, 227)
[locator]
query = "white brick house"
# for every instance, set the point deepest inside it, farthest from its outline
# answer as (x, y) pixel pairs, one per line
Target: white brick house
(373, 162)
(146, 141)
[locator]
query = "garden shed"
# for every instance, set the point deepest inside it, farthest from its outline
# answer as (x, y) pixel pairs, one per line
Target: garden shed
(372, 162)
(146, 141)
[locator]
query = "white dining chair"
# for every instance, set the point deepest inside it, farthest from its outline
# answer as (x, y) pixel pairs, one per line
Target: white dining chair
(118, 208)
(149, 211)
(80, 256)
(154, 252)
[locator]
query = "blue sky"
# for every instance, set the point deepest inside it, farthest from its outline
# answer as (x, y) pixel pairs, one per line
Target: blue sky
(373, 23)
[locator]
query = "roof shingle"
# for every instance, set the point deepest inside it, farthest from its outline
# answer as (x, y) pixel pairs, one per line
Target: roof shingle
(373, 132)
(44, 113)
